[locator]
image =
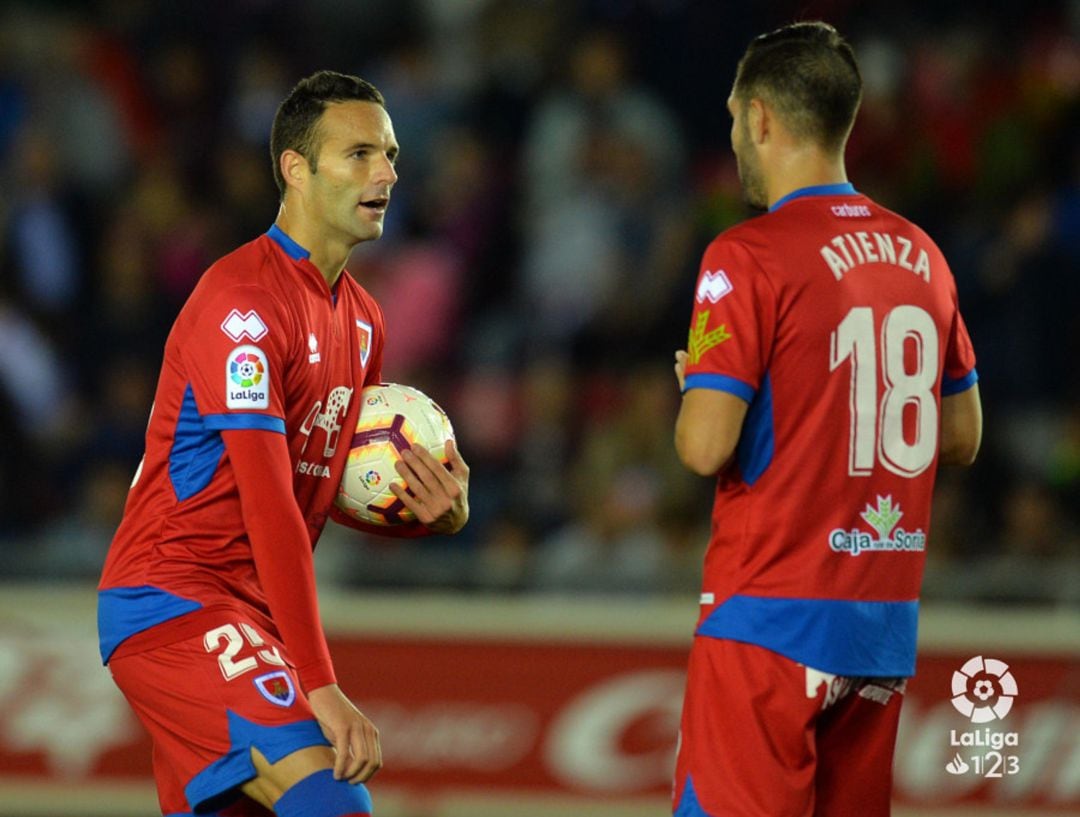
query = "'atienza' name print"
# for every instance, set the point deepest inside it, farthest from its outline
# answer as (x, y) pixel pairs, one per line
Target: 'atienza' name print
(846, 251)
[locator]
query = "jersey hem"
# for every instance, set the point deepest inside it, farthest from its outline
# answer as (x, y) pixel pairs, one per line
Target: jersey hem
(871, 639)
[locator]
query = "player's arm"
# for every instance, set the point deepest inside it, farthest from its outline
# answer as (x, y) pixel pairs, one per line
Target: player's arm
(282, 552)
(961, 427)
(708, 426)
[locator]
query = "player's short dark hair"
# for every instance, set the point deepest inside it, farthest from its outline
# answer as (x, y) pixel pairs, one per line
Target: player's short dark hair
(808, 73)
(296, 122)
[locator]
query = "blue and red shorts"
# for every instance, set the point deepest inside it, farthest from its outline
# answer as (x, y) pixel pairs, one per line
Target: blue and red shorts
(764, 736)
(206, 700)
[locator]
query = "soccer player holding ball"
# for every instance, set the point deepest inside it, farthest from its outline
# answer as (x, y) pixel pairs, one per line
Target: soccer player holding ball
(828, 372)
(207, 612)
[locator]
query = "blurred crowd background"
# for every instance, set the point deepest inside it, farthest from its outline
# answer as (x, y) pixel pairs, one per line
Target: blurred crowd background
(563, 166)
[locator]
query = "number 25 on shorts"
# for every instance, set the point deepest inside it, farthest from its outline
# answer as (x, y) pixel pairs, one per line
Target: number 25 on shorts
(231, 666)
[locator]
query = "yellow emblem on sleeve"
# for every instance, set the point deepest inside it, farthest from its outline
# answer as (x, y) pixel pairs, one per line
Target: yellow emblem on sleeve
(702, 340)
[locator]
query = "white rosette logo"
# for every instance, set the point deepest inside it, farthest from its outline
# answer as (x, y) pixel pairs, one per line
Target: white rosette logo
(983, 690)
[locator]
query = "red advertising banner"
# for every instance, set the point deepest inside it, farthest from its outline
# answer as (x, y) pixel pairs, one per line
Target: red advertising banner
(584, 719)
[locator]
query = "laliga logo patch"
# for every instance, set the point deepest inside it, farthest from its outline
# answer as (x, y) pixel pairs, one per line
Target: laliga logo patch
(983, 690)
(247, 379)
(276, 687)
(713, 286)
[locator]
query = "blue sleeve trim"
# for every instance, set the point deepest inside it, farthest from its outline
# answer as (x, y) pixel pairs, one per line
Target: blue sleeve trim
(235, 766)
(950, 387)
(124, 611)
(854, 638)
(233, 422)
(720, 382)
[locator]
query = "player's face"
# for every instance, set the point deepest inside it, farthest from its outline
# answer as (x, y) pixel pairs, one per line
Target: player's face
(350, 189)
(751, 175)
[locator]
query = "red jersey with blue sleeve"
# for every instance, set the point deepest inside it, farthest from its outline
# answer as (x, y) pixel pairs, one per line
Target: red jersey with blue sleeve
(836, 320)
(263, 361)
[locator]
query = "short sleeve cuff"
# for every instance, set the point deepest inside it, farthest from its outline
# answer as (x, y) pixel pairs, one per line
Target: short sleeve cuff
(236, 422)
(949, 386)
(720, 382)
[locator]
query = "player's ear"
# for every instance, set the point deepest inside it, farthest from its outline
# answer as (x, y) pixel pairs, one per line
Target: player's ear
(294, 168)
(758, 120)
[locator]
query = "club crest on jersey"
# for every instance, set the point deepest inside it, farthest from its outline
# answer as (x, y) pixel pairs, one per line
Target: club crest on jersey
(364, 341)
(702, 339)
(248, 325)
(313, 349)
(884, 520)
(247, 379)
(713, 286)
(277, 687)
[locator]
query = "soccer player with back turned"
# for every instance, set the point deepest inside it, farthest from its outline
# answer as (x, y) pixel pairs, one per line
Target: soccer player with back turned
(207, 608)
(828, 372)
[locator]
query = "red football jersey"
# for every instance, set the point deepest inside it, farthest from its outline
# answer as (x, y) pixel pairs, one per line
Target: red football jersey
(262, 343)
(837, 321)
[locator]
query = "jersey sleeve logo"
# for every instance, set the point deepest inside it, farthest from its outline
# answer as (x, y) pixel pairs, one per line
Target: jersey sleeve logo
(248, 325)
(247, 379)
(702, 339)
(713, 286)
(365, 333)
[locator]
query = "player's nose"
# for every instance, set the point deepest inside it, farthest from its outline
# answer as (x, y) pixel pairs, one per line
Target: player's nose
(386, 173)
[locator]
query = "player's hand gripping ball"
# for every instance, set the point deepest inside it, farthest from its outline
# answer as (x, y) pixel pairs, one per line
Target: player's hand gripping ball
(393, 418)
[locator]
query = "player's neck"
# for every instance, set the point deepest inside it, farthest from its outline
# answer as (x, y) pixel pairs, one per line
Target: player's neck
(326, 255)
(804, 168)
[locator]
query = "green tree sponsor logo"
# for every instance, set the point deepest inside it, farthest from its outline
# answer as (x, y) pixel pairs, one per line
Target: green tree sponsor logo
(702, 340)
(887, 537)
(884, 518)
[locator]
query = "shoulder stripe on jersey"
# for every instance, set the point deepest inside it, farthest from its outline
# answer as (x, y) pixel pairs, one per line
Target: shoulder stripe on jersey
(232, 422)
(950, 386)
(720, 382)
(757, 441)
(688, 802)
(196, 450)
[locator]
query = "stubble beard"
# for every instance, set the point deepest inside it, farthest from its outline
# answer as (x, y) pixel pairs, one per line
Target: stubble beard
(753, 184)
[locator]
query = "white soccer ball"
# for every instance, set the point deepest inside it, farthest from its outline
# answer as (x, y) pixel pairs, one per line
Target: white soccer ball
(393, 418)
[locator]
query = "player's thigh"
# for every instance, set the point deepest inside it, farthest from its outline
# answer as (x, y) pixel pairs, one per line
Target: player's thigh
(206, 713)
(746, 744)
(274, 779)
(856, 743)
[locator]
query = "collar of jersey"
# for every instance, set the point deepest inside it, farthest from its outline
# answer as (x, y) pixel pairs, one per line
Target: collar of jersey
(843, 189)
(292, 249)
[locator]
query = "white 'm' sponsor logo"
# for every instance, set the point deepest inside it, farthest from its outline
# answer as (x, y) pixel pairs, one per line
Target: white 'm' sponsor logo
(238, 326)
(713, 286)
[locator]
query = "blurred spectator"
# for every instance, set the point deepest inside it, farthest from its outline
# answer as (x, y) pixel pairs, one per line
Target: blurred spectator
(44, 247)
(562, 170)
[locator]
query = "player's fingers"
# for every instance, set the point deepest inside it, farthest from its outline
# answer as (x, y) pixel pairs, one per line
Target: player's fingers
(370, 754)
(341, 756)
(413, 503)
(458, 466)
(433, 477)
